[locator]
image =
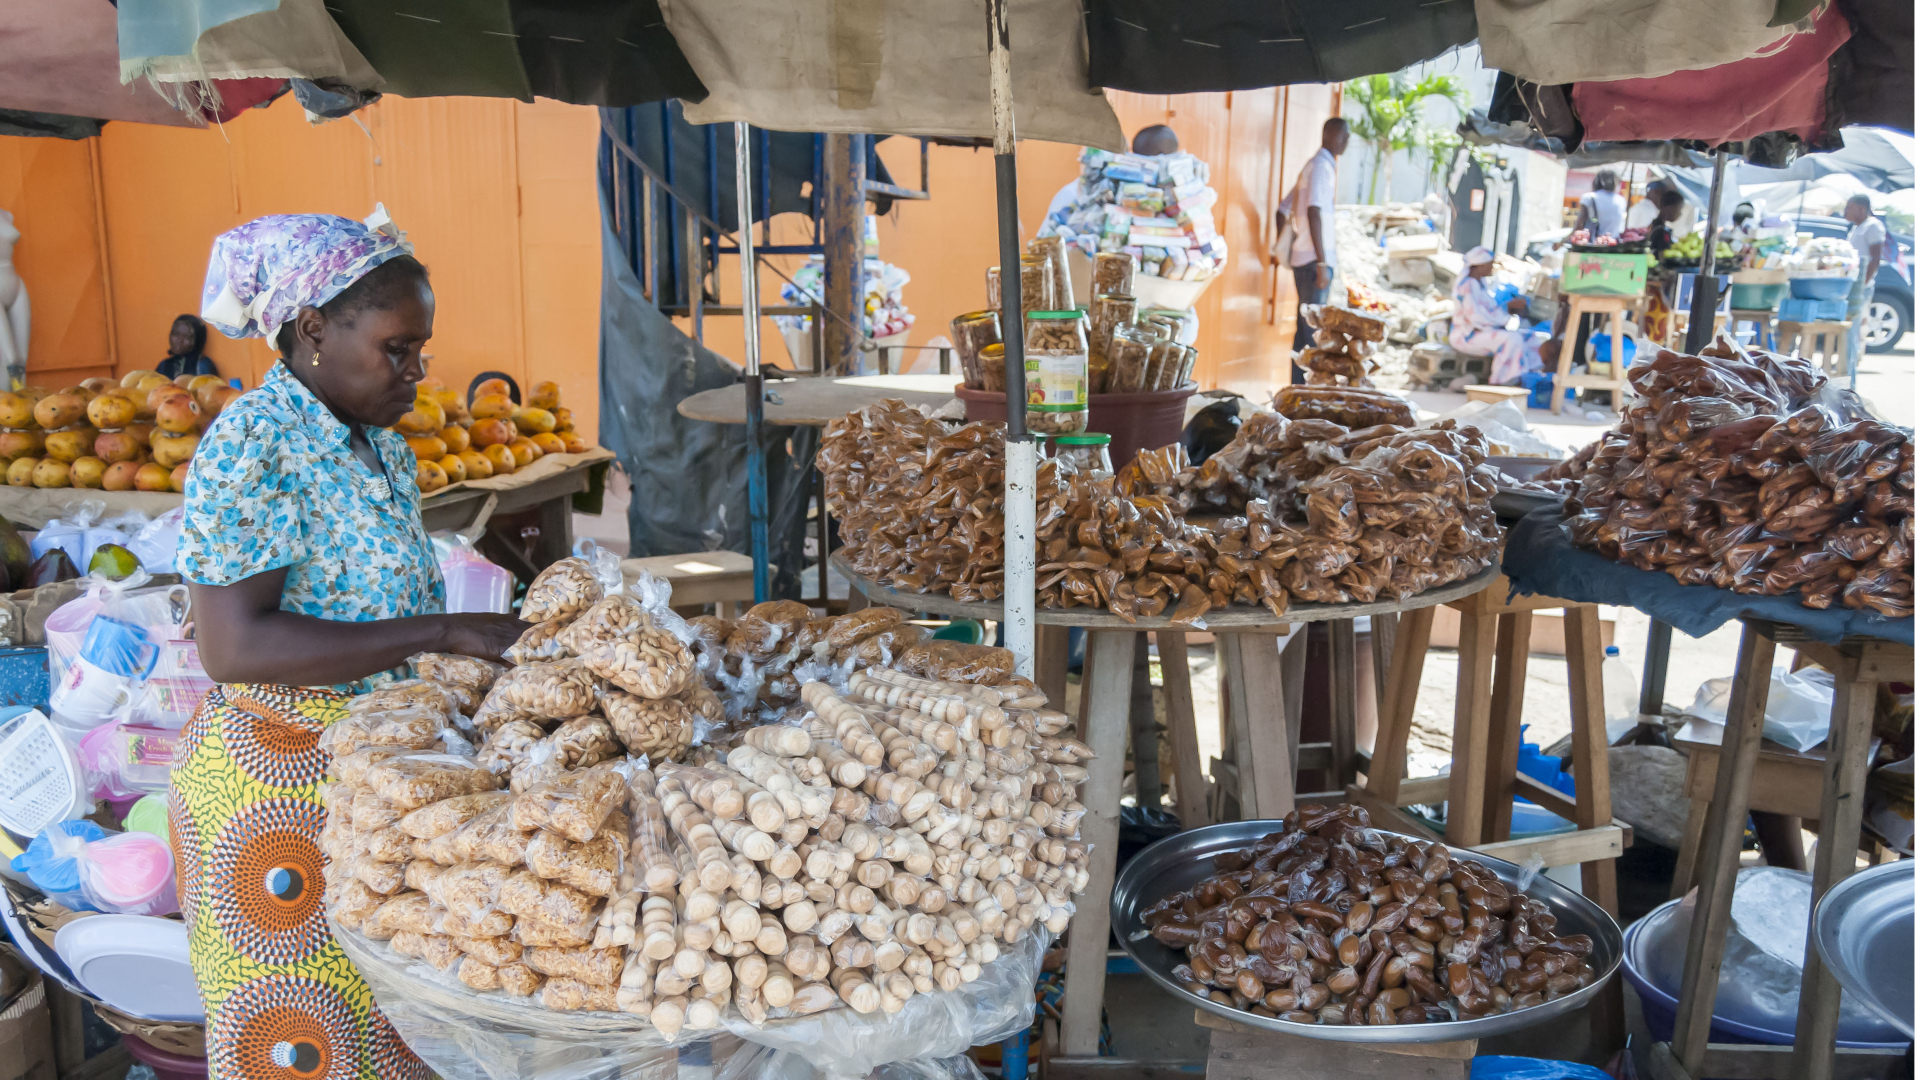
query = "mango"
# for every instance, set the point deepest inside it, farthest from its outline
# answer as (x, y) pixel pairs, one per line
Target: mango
(455, 468)
(56, 411)
(52, 474)
(501, 459)
(544, 395)
(478, 467)
(532, 421)
(20, 473)
(456, 438)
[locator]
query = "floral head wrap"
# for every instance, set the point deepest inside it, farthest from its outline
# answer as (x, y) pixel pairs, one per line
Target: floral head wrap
(262, 273)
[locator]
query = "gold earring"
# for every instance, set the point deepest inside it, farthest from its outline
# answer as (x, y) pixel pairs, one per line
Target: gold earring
(316, 358)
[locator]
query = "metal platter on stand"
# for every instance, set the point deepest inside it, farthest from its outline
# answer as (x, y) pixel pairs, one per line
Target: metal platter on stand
(1864, 927)
(1180, 861)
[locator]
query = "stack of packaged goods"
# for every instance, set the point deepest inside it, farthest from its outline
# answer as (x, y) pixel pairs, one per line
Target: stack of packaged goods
(1157, 209)
(884, 312)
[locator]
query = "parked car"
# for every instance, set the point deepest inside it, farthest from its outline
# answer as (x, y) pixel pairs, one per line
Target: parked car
(1890, 316)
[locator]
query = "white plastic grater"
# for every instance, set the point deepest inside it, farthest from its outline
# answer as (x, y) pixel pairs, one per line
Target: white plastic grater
(40, 779)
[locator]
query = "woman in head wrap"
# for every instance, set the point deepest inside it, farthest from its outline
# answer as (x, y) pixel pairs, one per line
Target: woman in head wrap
(310, 572)
(1480, 323)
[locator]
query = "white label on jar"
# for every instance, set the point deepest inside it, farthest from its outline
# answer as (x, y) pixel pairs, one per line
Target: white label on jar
(1056, 382)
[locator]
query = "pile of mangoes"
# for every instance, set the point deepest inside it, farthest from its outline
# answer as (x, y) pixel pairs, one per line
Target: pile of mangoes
(137, 434)
(452, 442)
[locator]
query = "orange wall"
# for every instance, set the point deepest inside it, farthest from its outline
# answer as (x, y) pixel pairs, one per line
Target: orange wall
(497, 196)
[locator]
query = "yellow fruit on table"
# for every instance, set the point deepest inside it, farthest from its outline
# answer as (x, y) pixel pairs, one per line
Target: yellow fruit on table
(87, 472)
(119, 476)
(459, 415)
(178, 413)
(427, 447)
(178, 478)
(492, 407)
(114, 446)
(201, 382)
(72, 444)
(151, 477)
(456, 438)
(141, 433)
(478, 467)
(491, 386)
(207, 393)
(16, 411)
(455, 469)
(52, 474)
(110, 411)
(97, 384)
(78, 391)
(174, 448)
(425, 418)
(532, 421)
(549, 443)
(485, 433)
(430, 476)
(132, 378)
(185, 382)
(14, 444)
(219, 398)
(562, 420)
(20, 473)
(152, 382)
(501, 459)
(56, 411)
(575, 444)
(524, 452)
(544, 395)
(439, 392)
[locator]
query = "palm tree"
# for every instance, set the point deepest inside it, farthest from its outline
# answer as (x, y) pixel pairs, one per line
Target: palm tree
(1390, 115)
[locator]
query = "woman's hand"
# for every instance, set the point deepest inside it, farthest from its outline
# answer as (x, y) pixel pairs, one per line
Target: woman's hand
(483, 634)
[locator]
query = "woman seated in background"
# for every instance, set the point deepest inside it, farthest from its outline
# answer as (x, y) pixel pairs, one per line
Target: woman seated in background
(1480, 323)
(187, 349)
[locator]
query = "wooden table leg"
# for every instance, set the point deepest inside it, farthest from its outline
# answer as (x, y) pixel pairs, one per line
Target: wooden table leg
(1343, 692)
(1237, 734)
(1389, 765)
(1688, 863)
(1726, 822)
(1503, 721)
(1176, 685)
(1593, 798)
(1108, 687)
(1843, 789)
(1293, 677)
(1274, 749)
(1473, 700)
(1050, 662)
(1142, 735)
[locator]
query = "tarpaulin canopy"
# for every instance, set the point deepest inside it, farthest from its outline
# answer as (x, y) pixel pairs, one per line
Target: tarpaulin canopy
(1881, 160)
(1570, 41)
(59, 56)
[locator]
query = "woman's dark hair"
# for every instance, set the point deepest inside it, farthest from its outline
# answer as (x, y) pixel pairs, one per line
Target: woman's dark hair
(199, 329)
(1674, 198)
(379, 290)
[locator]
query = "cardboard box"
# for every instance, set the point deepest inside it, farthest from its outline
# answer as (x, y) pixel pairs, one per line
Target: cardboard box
(26, 1027)
(1604, 275)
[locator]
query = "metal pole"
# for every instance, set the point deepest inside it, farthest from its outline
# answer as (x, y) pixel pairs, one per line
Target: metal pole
(1022, 455)
(750, 328)
(1706, 287)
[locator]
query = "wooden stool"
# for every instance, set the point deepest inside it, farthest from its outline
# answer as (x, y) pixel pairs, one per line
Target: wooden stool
(1677, 327)
(1785, 782)
(721, 578)
(1762, 320)
(1616, 308)
(1825, 340)
(1858, 665)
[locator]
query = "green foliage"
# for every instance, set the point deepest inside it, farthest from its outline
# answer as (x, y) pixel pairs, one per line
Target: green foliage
(1390, 117)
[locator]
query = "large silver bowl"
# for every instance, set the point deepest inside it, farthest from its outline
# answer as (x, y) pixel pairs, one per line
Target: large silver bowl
(1864, 928)
(1180, 861)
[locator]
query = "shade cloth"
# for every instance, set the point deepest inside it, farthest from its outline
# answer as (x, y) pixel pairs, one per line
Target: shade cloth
(1567, 41)
(906, 67)
(60, 56)
(1541, 559)
(296, 39)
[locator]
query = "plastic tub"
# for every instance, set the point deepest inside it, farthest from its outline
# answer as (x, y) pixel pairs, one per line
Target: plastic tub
(1147, 420)
(165, 1066)
(1758, 297)
(1820, 288)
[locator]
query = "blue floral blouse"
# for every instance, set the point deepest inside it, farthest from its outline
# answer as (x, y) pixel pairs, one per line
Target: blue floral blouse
(275, 484)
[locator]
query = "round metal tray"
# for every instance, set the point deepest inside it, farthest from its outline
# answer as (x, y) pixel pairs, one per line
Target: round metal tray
(1864, 927)
(1180, 861)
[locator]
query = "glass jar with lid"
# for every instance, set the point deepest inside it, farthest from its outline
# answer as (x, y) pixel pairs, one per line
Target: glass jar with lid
(973, 332)
(1088, 451)
(1056, 366)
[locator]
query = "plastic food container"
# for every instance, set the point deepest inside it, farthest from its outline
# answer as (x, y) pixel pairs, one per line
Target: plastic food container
(1113, 273)
(1054, 250)
(972, 332)
(1819, 288)
(1110, 312)
(993, 369)
(1036, 285)
(1087, 452)
(1056, 372)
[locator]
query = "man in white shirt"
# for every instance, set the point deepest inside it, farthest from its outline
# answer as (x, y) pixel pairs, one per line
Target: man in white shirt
(1602, 211)
(1311, 254)
(1641, 215)
(1868, 237)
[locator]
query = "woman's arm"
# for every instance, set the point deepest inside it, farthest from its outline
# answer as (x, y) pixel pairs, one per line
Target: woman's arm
(245, 637)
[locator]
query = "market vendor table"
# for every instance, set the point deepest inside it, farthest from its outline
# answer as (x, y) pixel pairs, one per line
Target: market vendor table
(1784, 782)
(1267, 752)
(816, 402)
(1825, 339)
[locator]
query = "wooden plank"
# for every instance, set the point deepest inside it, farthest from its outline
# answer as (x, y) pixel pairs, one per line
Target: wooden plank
(1688, 863)
(1344, 691)
(1726, 822)
(1110, 655)
(1389, 764)
(1456, 1050)
(1176, 687)
(1387, 816)
(1781, 785)
(1549, 798)
(1473, 699)
(1421, 791)
(1562, 849)
(1272, 747)
(1843, 790)
(1142, 735)
(1050, 662)
(1385, 630)
(1503, 720)
(1734, 1061)
(1593, 797)
(1238, 736)
(1308, 757)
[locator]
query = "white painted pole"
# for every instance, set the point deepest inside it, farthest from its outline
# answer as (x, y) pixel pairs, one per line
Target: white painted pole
(1022, 454)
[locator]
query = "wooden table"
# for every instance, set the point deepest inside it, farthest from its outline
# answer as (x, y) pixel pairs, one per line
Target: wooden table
(721, 578)
(1615, 309)
(810, 401)
(1859, 666)
(1825, 339)
(1250, 654)
(1784, 782)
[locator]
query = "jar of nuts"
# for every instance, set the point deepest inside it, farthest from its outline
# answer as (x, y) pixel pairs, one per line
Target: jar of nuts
(972, 332)
(993, 368)
(1036, 285)
(1113, 273)
(1088, 452)
(1056, 372)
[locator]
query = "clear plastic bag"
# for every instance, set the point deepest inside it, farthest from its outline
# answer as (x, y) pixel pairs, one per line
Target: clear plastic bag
(562, 591)
(410, 781)
(556, 690)
(469, 671)
(85, 868)
(542, 641)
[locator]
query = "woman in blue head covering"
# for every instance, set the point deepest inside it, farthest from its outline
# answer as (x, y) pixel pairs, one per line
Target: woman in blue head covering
(1479, 326)
(310, 573)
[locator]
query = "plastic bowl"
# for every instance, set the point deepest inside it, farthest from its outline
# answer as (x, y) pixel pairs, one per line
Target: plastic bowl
(1820, 288)
(1758, 297)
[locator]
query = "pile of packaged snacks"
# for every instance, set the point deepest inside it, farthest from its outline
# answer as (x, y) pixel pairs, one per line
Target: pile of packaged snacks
(1156, 209)
(1343, 343)
(885, 840)
(1328, 922)
(1318, 513)
(1738, 470)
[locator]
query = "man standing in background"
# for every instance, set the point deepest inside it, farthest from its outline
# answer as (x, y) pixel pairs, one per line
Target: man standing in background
(1311, 253)
(1868, 237)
